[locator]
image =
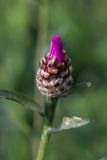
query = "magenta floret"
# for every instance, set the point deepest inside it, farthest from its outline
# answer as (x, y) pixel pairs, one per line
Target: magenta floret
(56, 49)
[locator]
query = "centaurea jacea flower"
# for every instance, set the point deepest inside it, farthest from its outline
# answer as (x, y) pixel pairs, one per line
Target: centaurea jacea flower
(54, 76)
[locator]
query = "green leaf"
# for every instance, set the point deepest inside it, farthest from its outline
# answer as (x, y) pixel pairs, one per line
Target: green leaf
(77, 87)
(28, 102)
(68, 123)
(80, 85)
(103, 158)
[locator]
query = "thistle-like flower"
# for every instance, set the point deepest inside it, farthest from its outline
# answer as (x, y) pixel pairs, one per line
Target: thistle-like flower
(54, 76)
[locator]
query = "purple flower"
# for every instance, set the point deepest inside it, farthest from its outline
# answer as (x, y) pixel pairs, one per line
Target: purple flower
(54, 76)
(56, 49)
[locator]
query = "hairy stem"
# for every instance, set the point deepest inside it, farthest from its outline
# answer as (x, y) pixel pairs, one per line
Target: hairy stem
(50, 106)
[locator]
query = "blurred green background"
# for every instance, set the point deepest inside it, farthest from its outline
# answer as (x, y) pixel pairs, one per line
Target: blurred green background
(26, 27)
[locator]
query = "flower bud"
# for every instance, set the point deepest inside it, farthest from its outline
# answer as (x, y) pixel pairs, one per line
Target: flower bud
(54, 76)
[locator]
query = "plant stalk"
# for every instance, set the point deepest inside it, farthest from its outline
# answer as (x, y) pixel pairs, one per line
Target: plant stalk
(44, 142)
(50, 106)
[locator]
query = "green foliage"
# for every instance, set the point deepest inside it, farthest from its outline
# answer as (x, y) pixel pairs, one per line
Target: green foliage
(83, 26)
(28, 102)
(68, 123)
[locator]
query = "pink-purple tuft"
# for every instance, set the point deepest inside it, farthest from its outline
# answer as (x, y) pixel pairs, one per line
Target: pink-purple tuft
(56, 49)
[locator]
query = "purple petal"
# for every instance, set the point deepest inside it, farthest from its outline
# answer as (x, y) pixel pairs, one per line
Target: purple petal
(56, 48)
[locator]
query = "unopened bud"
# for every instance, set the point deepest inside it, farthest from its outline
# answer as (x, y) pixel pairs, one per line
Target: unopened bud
(54, 76)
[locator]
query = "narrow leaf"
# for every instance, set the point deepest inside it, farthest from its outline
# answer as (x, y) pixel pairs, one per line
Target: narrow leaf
(103, 158)
(28, 102)
(68, 123)
(78, 86)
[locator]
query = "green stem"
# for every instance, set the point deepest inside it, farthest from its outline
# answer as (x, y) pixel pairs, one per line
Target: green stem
(44, 142)
(50, 106)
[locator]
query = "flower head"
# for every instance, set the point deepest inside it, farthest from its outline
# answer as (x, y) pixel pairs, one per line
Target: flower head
(54, 77)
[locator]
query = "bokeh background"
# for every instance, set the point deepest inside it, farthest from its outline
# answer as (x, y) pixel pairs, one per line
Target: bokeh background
(26, 27)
